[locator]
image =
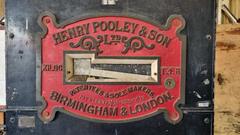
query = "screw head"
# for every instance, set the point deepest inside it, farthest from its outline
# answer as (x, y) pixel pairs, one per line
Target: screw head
(209, 37)
(47, 20)
(11, 35)
(12, 119)
(169, 83)
(206, 120)
(46, 114)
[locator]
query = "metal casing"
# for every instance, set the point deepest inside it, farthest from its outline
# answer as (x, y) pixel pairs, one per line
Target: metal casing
(21, 50)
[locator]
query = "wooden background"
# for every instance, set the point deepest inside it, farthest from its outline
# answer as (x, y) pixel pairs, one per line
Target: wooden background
(227, 80)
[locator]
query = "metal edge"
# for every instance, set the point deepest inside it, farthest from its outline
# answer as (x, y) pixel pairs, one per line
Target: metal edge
(183, 38)
(213, 59)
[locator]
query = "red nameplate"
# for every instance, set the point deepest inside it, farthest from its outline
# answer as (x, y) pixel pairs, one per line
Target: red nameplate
(111, 68)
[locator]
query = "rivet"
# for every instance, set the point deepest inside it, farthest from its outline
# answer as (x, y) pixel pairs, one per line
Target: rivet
(206, 120)
(46, 114)
(209, 37)
(169, 83)
(11, 35)
(47, 20)
(12, 119)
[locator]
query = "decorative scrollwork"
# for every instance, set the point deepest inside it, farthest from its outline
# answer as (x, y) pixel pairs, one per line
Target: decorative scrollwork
(87, 43)
(136, 44)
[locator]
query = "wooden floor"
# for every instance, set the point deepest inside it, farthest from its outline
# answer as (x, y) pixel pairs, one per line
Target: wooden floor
(227, 82)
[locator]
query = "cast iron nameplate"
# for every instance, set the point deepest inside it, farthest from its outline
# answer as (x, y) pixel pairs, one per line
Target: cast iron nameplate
(111, 68)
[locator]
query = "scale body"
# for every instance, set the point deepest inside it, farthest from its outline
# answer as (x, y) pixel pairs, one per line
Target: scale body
(110, 67)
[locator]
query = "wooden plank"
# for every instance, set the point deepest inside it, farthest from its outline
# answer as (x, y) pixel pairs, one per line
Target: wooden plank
(222, 19)
(227, 83)
(1, 118)
(2, 2)
(235, 7)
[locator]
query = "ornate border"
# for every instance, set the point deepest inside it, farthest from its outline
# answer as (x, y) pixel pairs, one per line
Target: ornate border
(41, 101)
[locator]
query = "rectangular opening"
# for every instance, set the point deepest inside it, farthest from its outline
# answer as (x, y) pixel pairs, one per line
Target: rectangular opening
(86, 67)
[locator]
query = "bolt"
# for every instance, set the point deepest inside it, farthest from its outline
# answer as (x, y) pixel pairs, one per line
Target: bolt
(209, 37)
(47, 20)
(12, 119)
(206, 120)
(11, 35)
(169, 83)
(46, 114)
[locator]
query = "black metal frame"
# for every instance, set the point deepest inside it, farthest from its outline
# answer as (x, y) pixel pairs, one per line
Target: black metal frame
(21, 66)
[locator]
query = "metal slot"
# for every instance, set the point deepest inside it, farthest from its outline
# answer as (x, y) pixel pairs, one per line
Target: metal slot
(87, 68)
